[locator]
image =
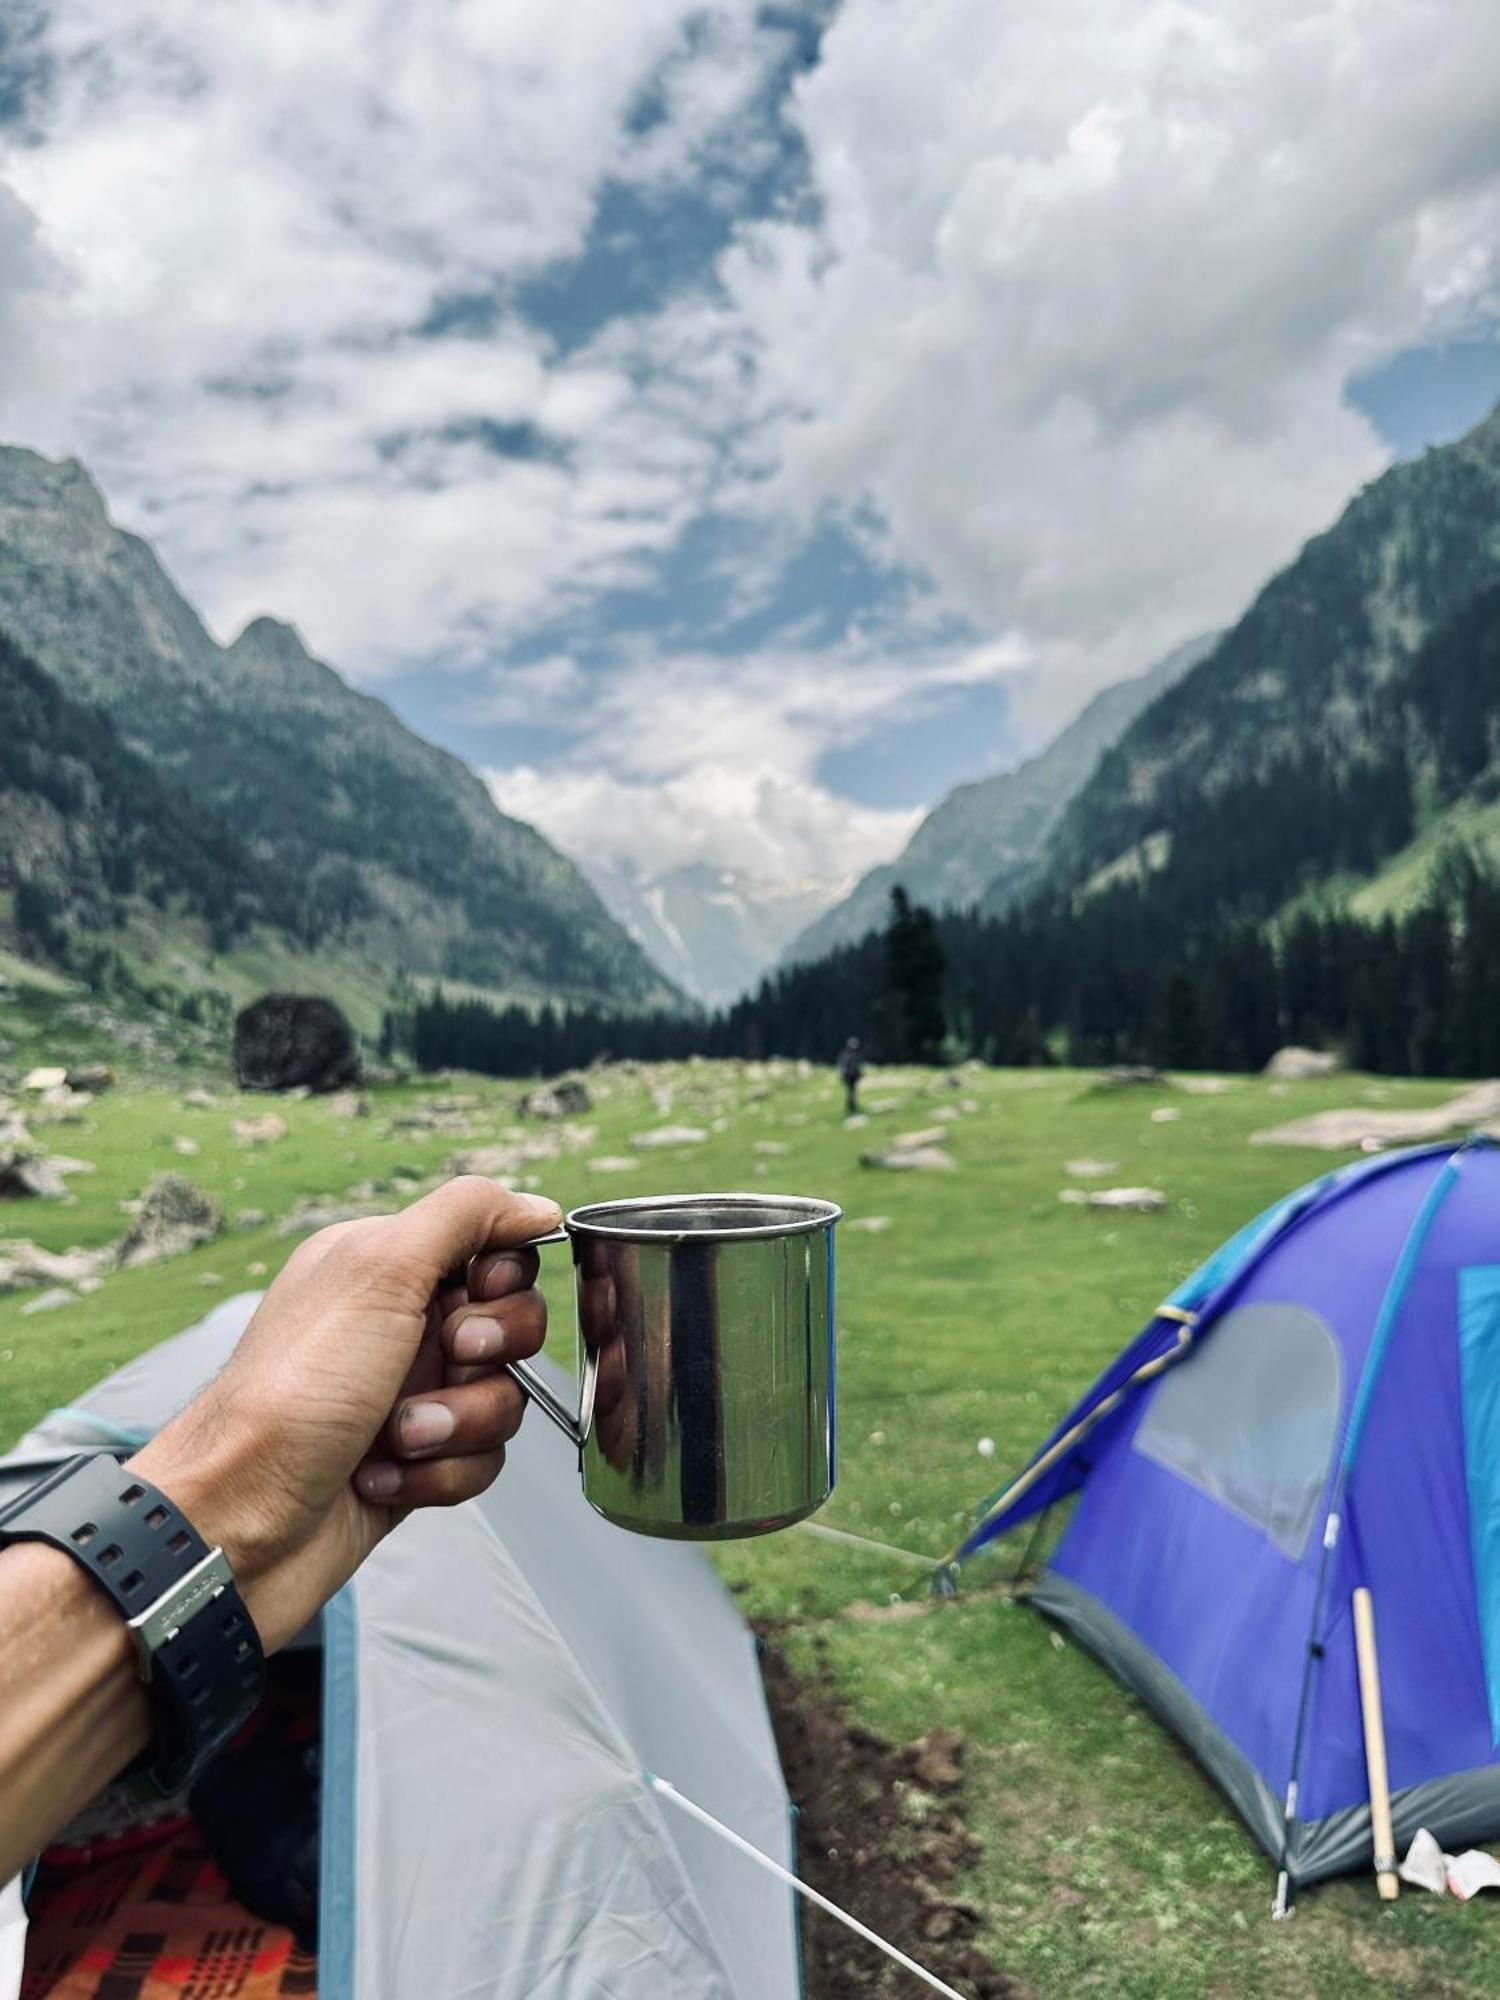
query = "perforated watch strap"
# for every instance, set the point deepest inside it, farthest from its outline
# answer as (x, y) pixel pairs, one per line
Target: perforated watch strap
(201, 1657)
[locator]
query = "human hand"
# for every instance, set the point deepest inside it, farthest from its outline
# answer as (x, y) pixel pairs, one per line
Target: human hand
(369, 1382)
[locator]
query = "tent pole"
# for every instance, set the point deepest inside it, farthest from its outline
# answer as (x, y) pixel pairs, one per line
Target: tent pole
(1386, 1878)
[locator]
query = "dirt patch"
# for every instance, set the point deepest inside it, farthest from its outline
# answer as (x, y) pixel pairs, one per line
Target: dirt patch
(881, 1832)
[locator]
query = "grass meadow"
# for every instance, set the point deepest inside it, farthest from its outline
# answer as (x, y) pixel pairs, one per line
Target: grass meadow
(979, 1310)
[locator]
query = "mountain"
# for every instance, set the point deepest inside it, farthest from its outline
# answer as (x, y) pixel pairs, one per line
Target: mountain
(989, 836)
(389, 852)
(713, 931)
(1329, 725)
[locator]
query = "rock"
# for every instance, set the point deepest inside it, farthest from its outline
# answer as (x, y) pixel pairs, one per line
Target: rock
(200, 1100)
(90, 1076)
(261, 1128)
(25, 1263)
(1205, 1086)
(46, 1078)
(348, 1104)
(174, 1216)
(1090, 1170)
(251, 1218)
(186, 1147)
(856, 1122)
(670, 1135)
(1133, 1200)
(320, 1214)
(1476, 1109)
(284, 1041)
(871, 1225)
(25, 1176)
(63, 1098)
(772, 1148)
(1126, 1076)
(49, 1301)
(1298, 1065)
(918, 1159)
(1165, 1114)
(612, 1163)
(256, 1270)
(566, 1098)
(64, 1164)
(932, 1135)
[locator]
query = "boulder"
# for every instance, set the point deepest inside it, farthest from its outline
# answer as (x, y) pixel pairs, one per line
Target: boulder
(1476, 1109)
(564, 1099)
(1132, 1200)
(1298, 1065)
(916, 1159)
(173, 1215)
(286, 1041)
(669, 1135)
(262, 1128)
(49, 1301)
(48, 1077)
(26, 1176)
(90, 1076)
(26, 1263)
(348, 1104)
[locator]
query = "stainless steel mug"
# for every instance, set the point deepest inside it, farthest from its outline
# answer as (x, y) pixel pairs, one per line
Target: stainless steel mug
(706, 1361)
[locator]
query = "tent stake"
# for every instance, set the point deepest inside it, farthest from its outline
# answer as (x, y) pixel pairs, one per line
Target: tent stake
(803, 1889)
(1386, 1879)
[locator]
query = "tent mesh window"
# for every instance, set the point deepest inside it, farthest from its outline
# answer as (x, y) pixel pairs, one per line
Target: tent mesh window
(1251, 1418)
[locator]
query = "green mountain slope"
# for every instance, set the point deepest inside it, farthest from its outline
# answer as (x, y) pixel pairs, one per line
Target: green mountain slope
(1309, 741)
(990, 835)
(396, 854)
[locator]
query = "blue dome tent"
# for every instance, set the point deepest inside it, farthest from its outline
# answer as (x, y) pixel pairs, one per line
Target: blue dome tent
(1315, 1410)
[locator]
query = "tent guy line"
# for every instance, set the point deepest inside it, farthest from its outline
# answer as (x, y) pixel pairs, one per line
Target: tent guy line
(670, 1791)
(865, 1542)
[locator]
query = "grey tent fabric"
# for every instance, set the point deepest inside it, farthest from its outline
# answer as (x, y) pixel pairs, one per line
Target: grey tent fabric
(496, 1681)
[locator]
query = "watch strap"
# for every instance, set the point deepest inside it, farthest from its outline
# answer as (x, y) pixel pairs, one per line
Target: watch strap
(196, 1644)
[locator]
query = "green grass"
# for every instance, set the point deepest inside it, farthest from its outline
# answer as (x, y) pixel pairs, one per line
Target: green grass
(1110, 1866)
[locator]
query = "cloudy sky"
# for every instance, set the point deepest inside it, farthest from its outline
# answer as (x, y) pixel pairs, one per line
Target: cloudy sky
(730, 425)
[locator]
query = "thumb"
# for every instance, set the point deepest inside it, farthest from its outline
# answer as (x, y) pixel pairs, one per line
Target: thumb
(439, 1234)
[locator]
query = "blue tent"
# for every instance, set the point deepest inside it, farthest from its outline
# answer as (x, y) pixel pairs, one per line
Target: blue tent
(1316, 1409)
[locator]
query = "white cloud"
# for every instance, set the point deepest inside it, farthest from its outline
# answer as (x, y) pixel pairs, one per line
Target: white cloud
(1087, 285)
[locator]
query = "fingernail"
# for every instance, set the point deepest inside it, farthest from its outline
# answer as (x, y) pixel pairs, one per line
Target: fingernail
(500, 1277)
(538, 1205)
(378, 1482)
(478, 1340)
(423, 1425)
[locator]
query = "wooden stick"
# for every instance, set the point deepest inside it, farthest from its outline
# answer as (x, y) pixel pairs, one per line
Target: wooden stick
(1386, 1879)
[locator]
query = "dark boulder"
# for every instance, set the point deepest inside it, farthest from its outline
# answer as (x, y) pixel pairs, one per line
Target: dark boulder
(292, 1041)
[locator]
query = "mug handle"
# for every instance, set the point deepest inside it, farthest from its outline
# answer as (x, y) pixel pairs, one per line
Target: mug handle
(574, 1429)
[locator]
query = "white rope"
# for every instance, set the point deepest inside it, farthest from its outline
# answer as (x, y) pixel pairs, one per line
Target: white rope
(795, 1882)
(864, 1542)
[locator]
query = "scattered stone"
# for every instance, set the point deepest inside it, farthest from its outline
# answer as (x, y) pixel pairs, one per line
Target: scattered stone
(918, 1159)
(257, 1269)
(1132, 1200)
(1165, 1114)
(315, 1213)
(856, 1122)
(186, 1147)
(945, 1113)
(986, 1447)
(1476, 1109)
(932, 1135)
(613, 1163)
(48, 1077)
(25, 1263)
(348, 1104)
(286, 1040)
(200, 1100)
(25, 1176)
(64, 1164)
(1205, 1086)
(772, 1148)
(261, 1128)
(174, 1216)
(67, 1102)
(251, 1218)
(209, 1278)
(1090, 1170)
(1294, 1064)
(90, 1285)
(90, 1076)
(1128, 1076)
(49, 1301)
(669, 1135)
(567, 1098)
(869, 1225)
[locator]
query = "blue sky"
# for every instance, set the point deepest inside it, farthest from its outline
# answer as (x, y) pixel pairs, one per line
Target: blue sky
(729, 425)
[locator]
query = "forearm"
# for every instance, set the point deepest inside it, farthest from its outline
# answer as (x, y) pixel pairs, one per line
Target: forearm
(73, 1712)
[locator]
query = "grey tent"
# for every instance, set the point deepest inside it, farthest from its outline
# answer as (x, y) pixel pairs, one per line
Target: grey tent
(496, 1680)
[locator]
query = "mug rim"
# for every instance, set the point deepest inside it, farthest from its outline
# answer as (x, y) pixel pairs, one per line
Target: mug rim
(592, 1218)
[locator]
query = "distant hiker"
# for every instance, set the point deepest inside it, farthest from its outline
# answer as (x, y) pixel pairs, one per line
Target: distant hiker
(851, 1069)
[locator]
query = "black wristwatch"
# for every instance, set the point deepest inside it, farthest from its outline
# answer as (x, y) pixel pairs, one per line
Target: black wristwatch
(196, 1645)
